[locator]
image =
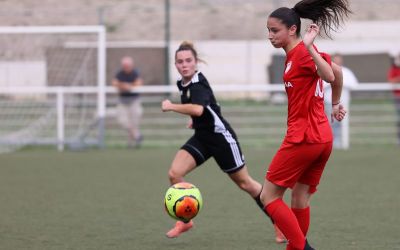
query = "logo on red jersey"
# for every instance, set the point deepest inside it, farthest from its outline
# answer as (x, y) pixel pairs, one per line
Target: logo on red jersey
(288, 66)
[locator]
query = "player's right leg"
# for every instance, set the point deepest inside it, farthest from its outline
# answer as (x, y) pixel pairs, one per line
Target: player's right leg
(182, 164)
(191, 154)
(282, 215)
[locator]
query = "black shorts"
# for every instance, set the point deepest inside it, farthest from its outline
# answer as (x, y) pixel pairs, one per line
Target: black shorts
(224, 147)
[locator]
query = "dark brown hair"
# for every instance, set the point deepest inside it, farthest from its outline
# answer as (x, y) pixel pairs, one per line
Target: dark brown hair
(186, 45)
(328, 14)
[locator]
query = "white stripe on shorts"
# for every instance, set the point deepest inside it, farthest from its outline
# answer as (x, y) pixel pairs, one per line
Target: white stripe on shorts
(234, 147)
(220, 128)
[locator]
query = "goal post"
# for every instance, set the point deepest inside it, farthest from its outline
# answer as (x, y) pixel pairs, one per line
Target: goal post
(40, 58)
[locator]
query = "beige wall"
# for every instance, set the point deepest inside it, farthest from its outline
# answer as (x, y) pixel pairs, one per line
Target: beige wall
(190, 19)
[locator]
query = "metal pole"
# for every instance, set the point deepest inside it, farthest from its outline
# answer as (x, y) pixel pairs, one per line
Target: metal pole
(167, 40)
(100, 15)
(60, 119)
(101, 78)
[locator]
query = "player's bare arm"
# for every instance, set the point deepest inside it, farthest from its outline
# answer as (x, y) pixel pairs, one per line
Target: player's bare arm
(186, 109)
(324, 70)
(338, 111)
(337, 84)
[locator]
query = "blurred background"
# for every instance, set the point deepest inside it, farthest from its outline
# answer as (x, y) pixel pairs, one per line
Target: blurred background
(230, 36)
(58, 60)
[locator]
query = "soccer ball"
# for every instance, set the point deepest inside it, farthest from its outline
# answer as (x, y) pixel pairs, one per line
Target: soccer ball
(183, 201)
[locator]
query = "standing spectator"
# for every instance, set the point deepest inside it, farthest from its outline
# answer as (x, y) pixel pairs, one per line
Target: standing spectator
(130, 107)
(394, 77)
(341, 129)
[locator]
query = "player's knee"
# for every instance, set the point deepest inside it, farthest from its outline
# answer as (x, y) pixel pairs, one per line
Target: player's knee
(300, 199)
(174, 176)
(271, 192)
(244, 184)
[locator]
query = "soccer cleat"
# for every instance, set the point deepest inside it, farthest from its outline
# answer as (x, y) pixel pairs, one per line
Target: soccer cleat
(279, 237)
(179, 228)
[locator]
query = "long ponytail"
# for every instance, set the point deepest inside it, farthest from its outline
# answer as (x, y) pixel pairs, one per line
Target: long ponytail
(328, 14)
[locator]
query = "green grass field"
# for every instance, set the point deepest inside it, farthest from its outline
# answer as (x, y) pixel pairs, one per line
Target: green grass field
(113, 199)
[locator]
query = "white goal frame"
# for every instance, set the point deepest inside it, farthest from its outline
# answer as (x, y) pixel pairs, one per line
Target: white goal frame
(100, 90)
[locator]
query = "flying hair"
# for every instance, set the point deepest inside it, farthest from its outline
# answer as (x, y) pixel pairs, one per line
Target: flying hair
(328, 14)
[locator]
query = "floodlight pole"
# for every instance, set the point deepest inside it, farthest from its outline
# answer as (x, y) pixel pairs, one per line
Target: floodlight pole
(167, 40)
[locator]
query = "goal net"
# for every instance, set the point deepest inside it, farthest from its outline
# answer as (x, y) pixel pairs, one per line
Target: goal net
(36, 63)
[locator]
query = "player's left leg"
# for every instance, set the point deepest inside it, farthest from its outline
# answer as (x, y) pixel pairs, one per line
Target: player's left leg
(253, 188)
(225, 149)
(228, 154)
(244, 181)
(300, 204)
(307, 184)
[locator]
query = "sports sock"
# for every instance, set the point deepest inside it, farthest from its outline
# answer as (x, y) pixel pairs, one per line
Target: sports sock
(287, 223)
(303, 217)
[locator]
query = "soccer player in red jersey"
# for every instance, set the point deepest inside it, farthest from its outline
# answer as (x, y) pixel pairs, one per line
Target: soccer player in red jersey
(306, 148)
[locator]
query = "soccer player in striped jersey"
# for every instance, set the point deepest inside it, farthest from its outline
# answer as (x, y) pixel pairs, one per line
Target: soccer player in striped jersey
(300, 161)
(213, 136)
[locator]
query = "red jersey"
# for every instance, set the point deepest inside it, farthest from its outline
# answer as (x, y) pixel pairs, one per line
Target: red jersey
(395, 72)
(307, 121)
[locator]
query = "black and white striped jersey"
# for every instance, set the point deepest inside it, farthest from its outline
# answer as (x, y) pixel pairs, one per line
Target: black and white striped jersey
(198, 91)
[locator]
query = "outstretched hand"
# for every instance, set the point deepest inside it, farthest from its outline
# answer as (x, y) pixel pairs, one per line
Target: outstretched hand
(338, 112)
(166, 105)
(310, 35)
